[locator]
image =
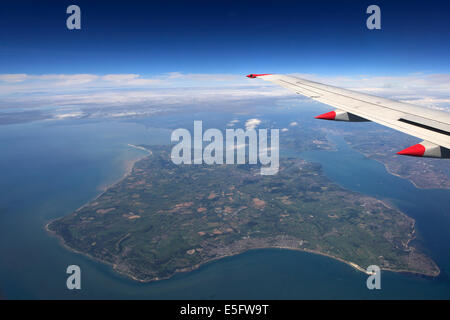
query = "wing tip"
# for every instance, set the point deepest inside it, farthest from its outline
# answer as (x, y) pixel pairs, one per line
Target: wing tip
(253, 75)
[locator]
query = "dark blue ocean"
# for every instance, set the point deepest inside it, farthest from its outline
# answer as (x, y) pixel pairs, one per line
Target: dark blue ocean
(49, 169)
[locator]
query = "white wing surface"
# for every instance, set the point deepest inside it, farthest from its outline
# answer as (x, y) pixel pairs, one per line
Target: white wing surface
(432, 126)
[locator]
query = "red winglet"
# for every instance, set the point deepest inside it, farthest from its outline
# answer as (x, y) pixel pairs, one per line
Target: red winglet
(416, 150)
(327, 116)
(253, 76)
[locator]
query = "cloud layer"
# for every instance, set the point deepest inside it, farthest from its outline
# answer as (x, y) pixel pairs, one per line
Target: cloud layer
(75, 95)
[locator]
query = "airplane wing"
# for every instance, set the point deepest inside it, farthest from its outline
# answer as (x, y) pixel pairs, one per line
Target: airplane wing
(432, 126)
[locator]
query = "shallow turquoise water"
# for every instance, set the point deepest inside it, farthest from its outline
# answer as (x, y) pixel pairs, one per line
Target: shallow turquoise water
(49, 170)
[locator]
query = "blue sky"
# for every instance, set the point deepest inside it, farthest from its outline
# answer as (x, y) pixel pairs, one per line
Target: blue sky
(233, 37)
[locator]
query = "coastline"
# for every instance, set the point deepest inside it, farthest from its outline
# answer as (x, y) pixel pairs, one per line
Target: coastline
(128, 167)
(388, 170)
(386, 165)
(197, 266)
(128, 170)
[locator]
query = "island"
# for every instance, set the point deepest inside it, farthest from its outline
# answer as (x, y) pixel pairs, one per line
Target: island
(162, 219)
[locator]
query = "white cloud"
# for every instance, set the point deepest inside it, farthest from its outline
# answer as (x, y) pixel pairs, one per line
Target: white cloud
(120, 77)
(18, 77)
(131, 80)
(232, 123)
(176, 89)
(206, 77)
(293, 124)
(68, 115)
(252, 123)
(124, 114)
(51, 84)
